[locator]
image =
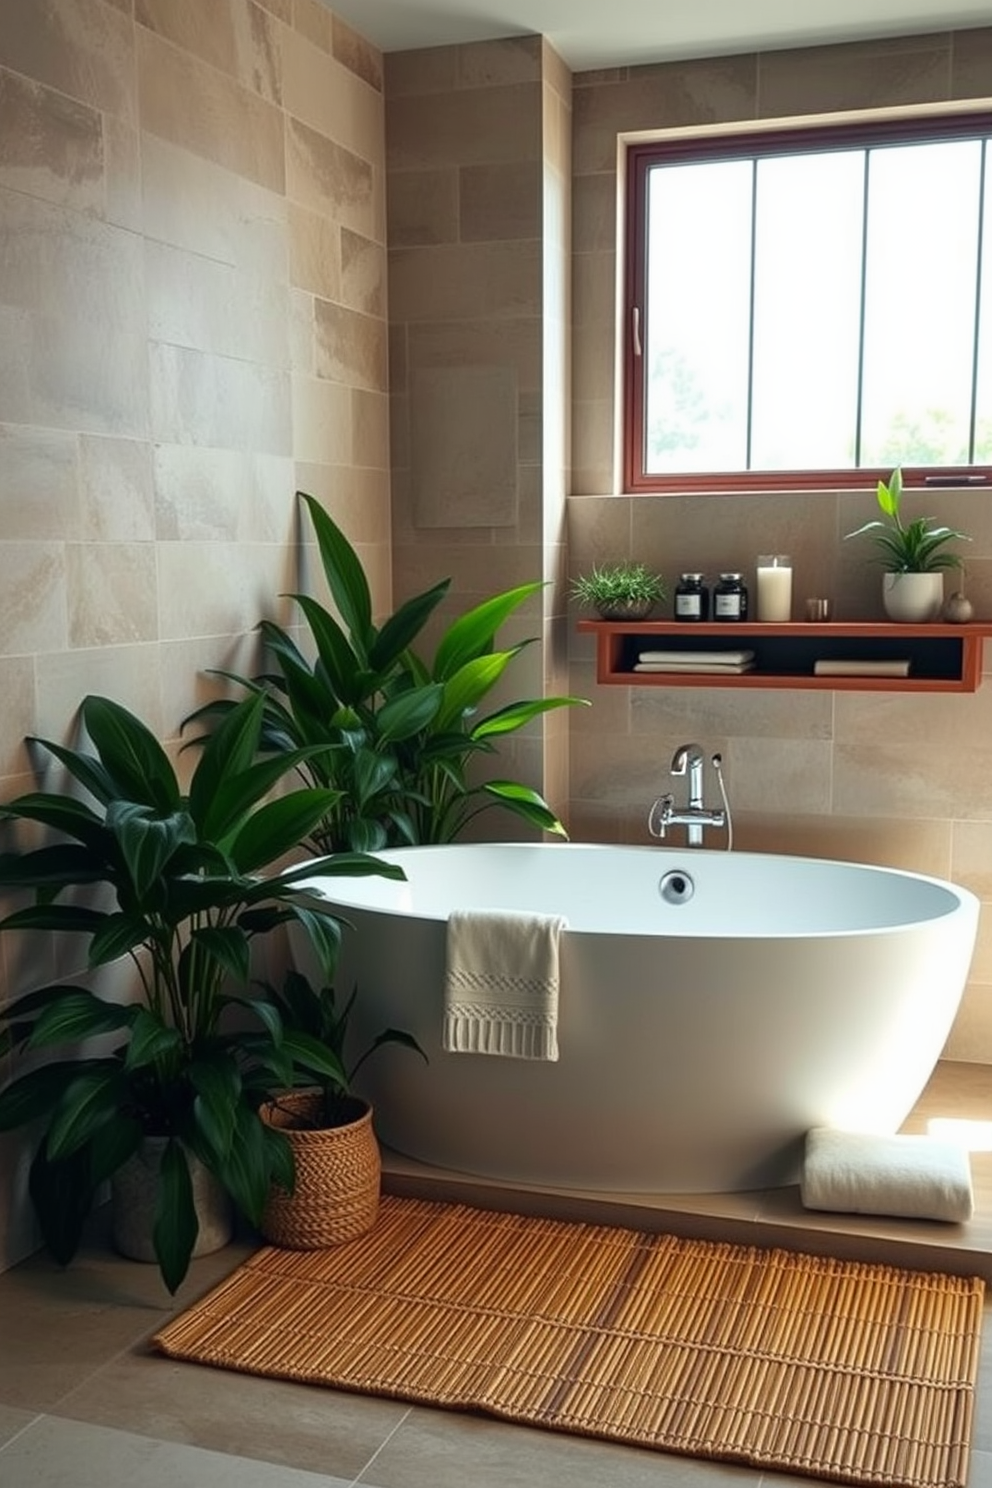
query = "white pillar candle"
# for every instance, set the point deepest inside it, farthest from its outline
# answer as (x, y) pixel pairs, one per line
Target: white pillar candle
(774, 588)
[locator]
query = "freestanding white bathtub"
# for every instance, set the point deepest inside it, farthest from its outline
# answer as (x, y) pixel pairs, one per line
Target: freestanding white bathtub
(713, 1007)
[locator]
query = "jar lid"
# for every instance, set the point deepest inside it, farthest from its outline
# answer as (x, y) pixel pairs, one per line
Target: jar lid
(692, 578)
(730, 576)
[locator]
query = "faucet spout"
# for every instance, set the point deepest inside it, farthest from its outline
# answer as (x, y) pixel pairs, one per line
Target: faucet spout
(688, 760)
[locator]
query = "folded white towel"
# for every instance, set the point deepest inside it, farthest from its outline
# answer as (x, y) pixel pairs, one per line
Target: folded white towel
(501, 983)
(729, 658)
(913, 1177)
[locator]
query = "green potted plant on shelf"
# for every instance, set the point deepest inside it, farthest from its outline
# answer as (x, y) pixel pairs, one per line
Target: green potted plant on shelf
(914, 555)
(620, 591)
(392, 734)
(180, 883)
(336, 1157)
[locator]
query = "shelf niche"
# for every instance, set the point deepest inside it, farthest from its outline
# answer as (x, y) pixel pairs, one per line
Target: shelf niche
(942, 658)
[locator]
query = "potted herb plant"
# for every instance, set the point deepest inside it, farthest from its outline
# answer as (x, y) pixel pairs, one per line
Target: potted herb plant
(179, 882)
(620, 591)
(914, 555)
(392, 733)
(335, 1196)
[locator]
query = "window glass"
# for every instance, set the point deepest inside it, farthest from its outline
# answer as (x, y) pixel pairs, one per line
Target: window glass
(817, 303)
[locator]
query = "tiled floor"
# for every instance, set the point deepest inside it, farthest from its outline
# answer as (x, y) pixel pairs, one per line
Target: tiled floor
(84, 1403)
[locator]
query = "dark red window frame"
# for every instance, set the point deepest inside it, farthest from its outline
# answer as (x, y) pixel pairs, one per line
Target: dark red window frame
(805, 139)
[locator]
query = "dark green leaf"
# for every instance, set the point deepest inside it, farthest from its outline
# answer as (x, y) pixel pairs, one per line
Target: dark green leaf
(227, 754)
(345, 575)
(176, 1225)
(516, 715)
(78, 1014)
(464, 688)
(131, 754)
(409, 712)
(151, 1040)
(91, 1099)
(147, 839)
(279, 826)
(218, 1094)
(404, 626)
(62, 1193)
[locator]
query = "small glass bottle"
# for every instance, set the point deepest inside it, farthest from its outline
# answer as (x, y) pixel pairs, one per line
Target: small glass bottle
(730, 598)
(692, 598)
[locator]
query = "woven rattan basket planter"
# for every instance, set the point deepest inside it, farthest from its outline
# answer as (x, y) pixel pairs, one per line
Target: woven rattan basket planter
(338, 1169)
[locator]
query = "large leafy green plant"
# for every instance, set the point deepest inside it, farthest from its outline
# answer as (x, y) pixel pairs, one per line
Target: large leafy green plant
(182, 884)
(395, 736)
(323, 1060)
(908, 547)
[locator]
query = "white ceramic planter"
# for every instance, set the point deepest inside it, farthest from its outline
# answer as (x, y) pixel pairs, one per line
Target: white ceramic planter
(134, 1196)
(913, 597)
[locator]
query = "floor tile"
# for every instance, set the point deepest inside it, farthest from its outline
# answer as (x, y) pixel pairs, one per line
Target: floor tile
(448, 1449)
(302, 1426)
(12, 1422)
(54, 1453)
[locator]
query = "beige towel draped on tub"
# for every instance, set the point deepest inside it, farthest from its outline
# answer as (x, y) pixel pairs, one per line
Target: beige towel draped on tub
(501, 983)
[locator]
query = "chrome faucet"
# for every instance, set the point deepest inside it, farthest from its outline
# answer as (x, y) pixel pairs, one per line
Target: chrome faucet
(689, 760)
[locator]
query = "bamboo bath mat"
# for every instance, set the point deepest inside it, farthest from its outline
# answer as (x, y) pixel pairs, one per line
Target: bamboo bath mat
(842, 1370)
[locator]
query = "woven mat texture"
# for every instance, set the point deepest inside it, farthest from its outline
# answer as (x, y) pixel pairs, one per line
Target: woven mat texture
(859, 1373)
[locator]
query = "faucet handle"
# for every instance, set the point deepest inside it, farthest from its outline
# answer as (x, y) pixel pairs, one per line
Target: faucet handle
(660, 814)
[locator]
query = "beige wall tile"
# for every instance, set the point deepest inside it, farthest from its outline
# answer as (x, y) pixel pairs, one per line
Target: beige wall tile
(349, 347)
(363, 274)
(83, 48)
(38, 477)
(206, 32)
(514, 59)
(476, 126)
(321, 421)
(50, 146)
(193, 105)
(122, 173)
(476, 281)
(330, 98)
(357, 499)
(314, 21)
(426, 70)
(500, 201)
(328, 178)
(237, 584)
(111, 593)
(357, 54)
(200, 303)
(709, 90)
(201, 398)
(971, 63)
(221, 495)
(17, 716)
(32, 597)
(314, 252)
(370, 429)
(464, 447)
(115, 490)
(861, 75)
(128, 674)
(422, 207)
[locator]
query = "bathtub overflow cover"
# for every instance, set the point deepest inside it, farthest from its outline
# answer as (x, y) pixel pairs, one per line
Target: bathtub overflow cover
(676, 887)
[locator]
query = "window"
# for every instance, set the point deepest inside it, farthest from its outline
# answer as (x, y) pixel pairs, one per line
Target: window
(810, 308)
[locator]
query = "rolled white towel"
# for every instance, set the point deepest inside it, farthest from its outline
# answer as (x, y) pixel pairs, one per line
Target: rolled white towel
(912, 1177)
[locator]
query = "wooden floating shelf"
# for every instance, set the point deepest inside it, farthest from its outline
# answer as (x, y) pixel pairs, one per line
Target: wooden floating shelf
(942, 658)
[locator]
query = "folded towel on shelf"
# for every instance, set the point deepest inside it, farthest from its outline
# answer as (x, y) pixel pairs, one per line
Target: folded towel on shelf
(827, 667)
(698, 664)
(501, 983)
(912, 1177)
(728, 658)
